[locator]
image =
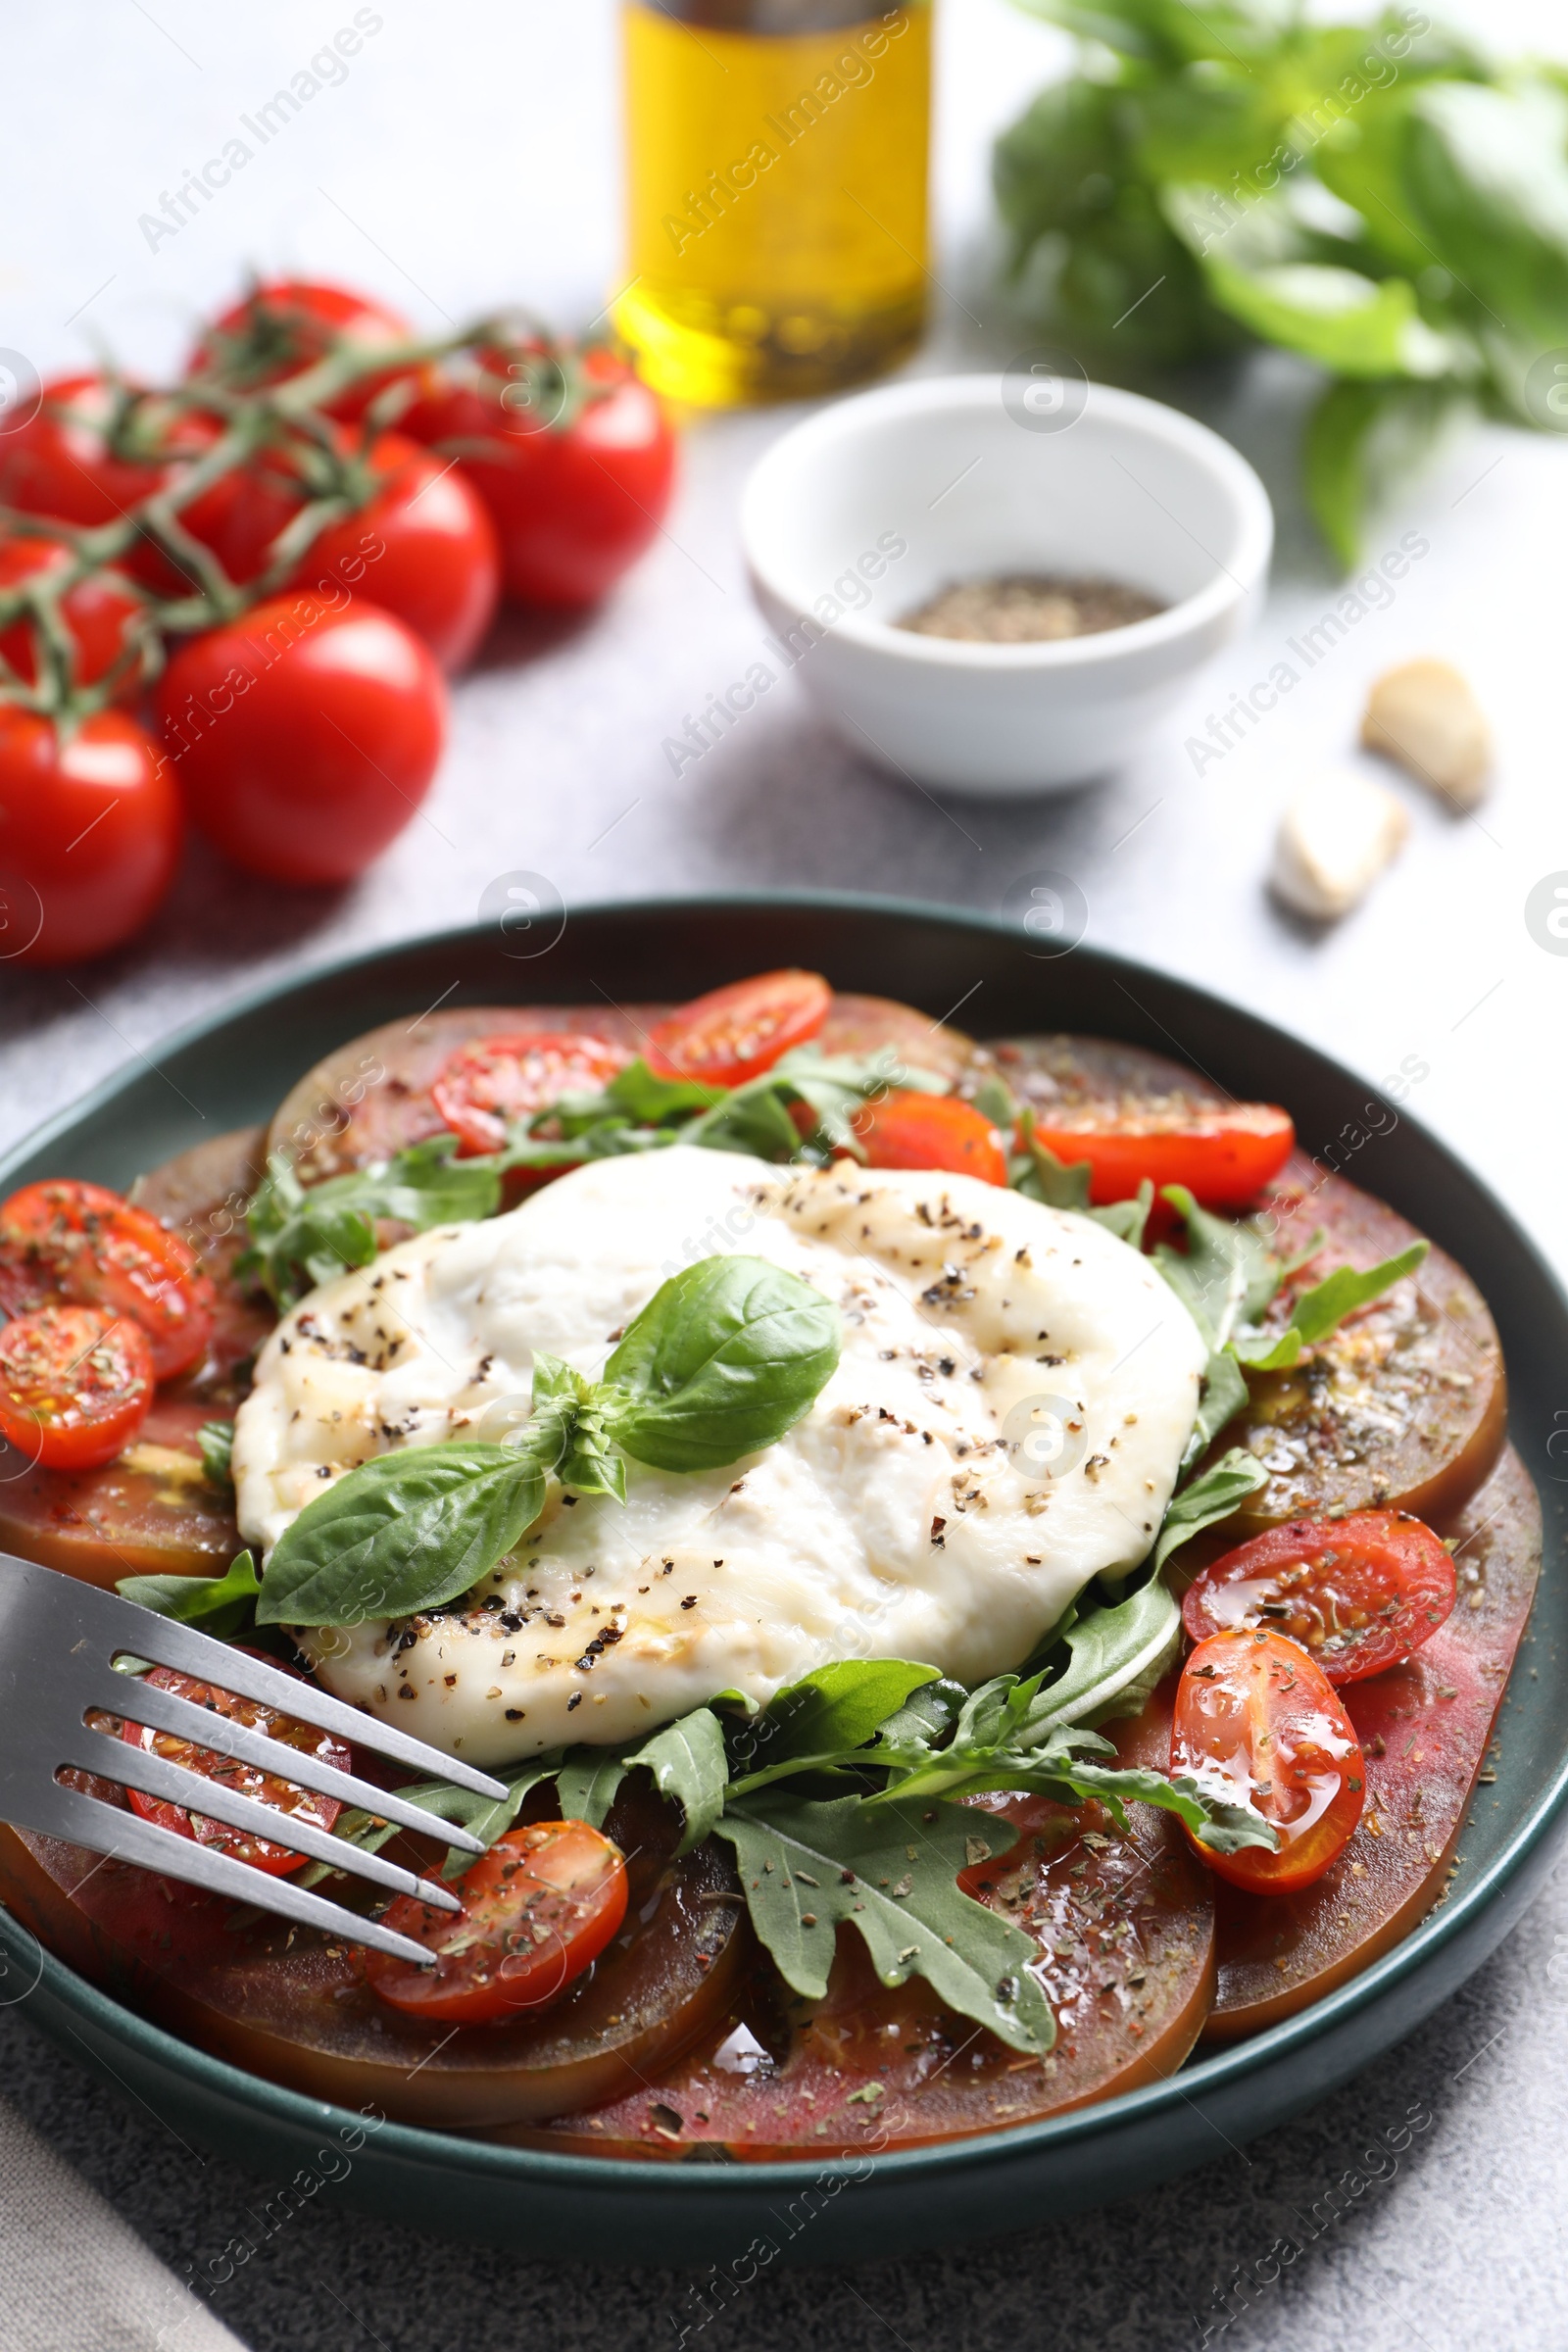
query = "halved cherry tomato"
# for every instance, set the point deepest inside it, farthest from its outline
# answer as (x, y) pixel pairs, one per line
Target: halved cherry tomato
(64, 1238)
(101, 615)
(1254, 1710)
(536, 1909)
(738, 1032)
(306, 1805)
(488, 1086)
(1358, 1594)
(1224, 1156)
(931, 1131)
(280, 328)
(76, 1385)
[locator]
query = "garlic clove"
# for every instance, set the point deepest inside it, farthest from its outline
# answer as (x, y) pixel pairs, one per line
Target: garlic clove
(1335, 838)
(1424, 716)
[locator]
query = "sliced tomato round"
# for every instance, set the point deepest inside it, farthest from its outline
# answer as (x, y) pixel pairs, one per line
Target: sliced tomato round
(76, 1385)
(1257, 1717)
(738, 1032)
(537, 1909)
(931, 1131)
(1225, 1154)
(64, 1238)
(485, 1089)
(292, 1802)
(1358, 1594)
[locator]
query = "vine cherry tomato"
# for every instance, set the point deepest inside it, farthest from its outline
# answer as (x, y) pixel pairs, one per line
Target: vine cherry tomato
(536, 1909)
(487, 1087)
(102, 616)
(282, 329)
(1257, 1718)
(1224, 1155)
(1358, 1594)
(577, 480)
(303, 737)
(931, 1131)
(90, 831)
(64, 1238)
(76, 1385)
(306, 1805)
(738, 1032)
(93, 451)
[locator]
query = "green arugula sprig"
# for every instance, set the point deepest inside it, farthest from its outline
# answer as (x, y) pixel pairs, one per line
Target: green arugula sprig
(723, 1360)
(304, 1235)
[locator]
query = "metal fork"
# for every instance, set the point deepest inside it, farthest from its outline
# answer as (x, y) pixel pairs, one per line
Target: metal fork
(58, 1639)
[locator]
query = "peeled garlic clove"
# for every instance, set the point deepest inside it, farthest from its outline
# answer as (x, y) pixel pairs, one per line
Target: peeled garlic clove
(1335, 838)
(1425, 716)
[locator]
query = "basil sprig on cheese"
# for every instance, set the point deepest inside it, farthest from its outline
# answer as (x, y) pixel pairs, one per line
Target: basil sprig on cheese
(723, 1360)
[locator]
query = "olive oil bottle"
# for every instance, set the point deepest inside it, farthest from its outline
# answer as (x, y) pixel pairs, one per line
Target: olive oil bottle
(777, 193)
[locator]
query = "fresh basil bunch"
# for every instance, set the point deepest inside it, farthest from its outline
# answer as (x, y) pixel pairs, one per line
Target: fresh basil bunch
(723, 1360)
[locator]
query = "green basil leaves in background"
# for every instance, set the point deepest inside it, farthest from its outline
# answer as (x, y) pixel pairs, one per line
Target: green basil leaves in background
(1382, 200)
(724, 1359)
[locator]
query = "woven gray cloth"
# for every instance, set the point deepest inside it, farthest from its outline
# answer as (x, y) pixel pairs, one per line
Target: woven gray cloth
(77, 2278)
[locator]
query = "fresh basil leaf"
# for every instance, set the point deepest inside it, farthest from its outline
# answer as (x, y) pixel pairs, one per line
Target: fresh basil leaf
(807, 1868)
(1365, 439)
(1208, 1499)
(688, 1762)
(1486, 174)
(215, 1439)
(1323, 1308)
(1126, 1219)
(220, 1605)
(400, 1533)
(1116, 1658)
(1040, 1175)
(1225, 1276)
(725, 1358)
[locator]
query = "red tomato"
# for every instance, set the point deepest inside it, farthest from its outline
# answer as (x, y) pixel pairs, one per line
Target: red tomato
(304, 738)
(61, 463)
(90, 831)
(76, 1384)
(1224, 1157)
(245, 1780)
(1254, 1712)
(64, 1238)
(738, 1032)
(286, 326)
(1358, 1594)
(931, 1131)
(574, 502)
(536, 1909)
(487, 1087)
(102, 616)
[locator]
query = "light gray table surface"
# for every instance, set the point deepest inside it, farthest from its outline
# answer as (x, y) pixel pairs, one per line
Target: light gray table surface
(470, 156)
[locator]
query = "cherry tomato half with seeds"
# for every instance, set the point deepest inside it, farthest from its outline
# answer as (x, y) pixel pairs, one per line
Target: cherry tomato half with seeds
(286, 326)
(66, 1240)
(76, 1385)
(90, 834)
(291, 1801)
(1224, 1155)
(931, 1131)
(738, 1032)
(1358, 1594)
(536, 1909)
(488, 1087)
(1255, 1716)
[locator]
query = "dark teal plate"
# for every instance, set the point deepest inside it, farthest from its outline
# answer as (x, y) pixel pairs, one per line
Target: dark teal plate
(233, 1069)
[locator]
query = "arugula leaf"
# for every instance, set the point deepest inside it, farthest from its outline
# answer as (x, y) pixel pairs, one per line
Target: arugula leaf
(809, 1867)
(1208, 1499)
(1224, 1394)
(1215, 1819)
(651, 1100)
(688, 1763)
(724, 1359)
(300, 1237)
(1037, 1172)
(1115, 1656)
(215, 1439)
(1323, 1308)
(486, 1817)
(220, 1605)
(400, 1533)
(1126, 1219)
(587, 1783)
(1224, 1277)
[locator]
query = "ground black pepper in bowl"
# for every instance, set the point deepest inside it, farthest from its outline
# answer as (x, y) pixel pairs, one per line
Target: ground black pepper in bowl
(1029, 609)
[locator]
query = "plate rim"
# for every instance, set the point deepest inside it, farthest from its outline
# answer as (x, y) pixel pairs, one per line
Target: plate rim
(425, 2146)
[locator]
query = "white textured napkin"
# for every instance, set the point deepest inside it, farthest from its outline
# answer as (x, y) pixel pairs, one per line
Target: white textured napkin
(73, 2277)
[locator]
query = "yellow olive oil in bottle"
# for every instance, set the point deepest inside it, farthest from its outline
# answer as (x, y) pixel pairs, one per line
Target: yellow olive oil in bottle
(777, 193)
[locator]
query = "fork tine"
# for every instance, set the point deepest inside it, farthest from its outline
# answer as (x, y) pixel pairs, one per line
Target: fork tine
(105, 1830)
(141, 1701)
(157, 1775)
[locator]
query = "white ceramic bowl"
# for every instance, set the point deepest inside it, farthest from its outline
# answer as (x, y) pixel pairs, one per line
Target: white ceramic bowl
(864, 510)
